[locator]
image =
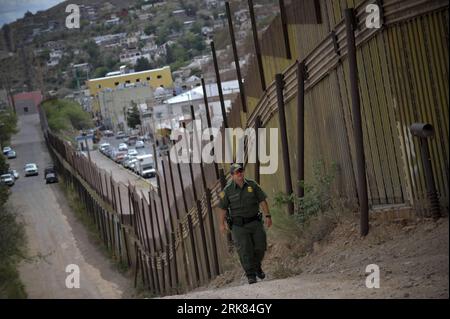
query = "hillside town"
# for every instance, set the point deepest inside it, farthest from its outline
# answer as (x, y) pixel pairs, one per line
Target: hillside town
(213, 149)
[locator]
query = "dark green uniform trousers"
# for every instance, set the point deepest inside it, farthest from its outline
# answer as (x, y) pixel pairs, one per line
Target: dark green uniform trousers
(250, 242)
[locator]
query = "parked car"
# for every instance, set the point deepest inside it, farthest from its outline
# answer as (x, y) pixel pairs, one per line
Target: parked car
(128, 160)
(104, 146)
(132, 140)
(6, 149)
(123, 147)
(132, 152)
(109, 152)
(108, 133)
(120, 135)
(7, 179)
(31, 169)
(11, 154)
(132, 164)
(50, 169)
(139, 144)
(119, 156)
(14, 173)
(51, 177)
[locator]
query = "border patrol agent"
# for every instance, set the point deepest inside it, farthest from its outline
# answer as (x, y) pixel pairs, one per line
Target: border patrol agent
(242, 198)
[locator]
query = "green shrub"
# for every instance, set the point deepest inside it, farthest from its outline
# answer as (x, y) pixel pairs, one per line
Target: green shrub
(317, 195)
(8, 126)
(63, 115)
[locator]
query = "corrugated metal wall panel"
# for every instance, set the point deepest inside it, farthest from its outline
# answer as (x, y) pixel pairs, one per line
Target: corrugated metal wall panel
(403, 75)
(418, 53)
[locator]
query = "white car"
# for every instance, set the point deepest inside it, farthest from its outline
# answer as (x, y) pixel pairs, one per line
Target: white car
(103, 147)
(31, 169)
(132, 152)
(14, 173)
(7, 179)
(6, 150)
(139, 144)
(123, 147)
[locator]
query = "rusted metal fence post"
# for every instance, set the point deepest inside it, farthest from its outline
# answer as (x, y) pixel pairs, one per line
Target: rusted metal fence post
(158, 228)
(212, 233)
(300, 128)
(257, 164)
(284, 140)
(152, 225)
(219, 85)
(350, 25)
(194, 249)
(236, 58)
(283, 17)
(158, 181)
(223, 183)
(196, 200)
(256, 44)
(210, 216)
(185, 252)
(208, 120)
(172, 229)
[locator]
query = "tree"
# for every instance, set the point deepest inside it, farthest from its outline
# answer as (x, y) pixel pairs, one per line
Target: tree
(133, 116)
(28, 14)
(142, 64)
(174, 25)
(150, 29)
(8, 126)
(93, 51)
(7, 36)
(100, 72)
(190, 7)
(162, 35)
(196, 28)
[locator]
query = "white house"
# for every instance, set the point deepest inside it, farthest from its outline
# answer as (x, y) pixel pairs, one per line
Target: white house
(132, 56)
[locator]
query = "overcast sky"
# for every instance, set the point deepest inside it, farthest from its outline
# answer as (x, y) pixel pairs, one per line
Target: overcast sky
(11, 10)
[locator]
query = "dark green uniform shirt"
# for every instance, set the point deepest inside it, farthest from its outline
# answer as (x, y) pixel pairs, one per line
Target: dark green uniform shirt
(242, 202)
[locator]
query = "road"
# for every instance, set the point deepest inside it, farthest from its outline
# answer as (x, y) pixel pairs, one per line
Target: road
(55, 237)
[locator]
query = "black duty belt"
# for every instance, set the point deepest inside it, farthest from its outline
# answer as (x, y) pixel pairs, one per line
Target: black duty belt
(240, 221)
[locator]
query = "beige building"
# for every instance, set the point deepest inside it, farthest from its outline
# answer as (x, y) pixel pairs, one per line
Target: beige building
(114, 103)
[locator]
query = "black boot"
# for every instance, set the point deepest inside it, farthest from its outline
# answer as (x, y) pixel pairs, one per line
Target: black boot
(260, 273)
(251, 279)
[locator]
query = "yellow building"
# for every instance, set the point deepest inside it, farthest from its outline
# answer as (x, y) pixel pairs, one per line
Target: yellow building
(154, 78)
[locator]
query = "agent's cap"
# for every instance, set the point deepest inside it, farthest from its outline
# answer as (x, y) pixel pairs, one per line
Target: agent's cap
(236, 167)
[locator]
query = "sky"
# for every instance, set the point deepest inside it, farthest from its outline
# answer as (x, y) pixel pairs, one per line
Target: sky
(11, 10)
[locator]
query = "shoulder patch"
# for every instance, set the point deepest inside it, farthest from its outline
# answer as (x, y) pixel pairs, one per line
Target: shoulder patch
(222, 194)
(250, 189)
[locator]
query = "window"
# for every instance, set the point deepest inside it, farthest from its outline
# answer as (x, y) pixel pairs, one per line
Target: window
(25, 109)
(138, 80)
(148, 78)
(159, 76)
(116, 83)
(127, 81)
(99, 86)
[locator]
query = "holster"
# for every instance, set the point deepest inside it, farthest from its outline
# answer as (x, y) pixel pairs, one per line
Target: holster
(229, 221)
(241, 221)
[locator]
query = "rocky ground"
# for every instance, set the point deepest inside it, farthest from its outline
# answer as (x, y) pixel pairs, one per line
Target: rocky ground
(412, 257)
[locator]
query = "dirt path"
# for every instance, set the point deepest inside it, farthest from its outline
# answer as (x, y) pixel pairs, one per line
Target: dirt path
(413, 260)
(55, 237)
